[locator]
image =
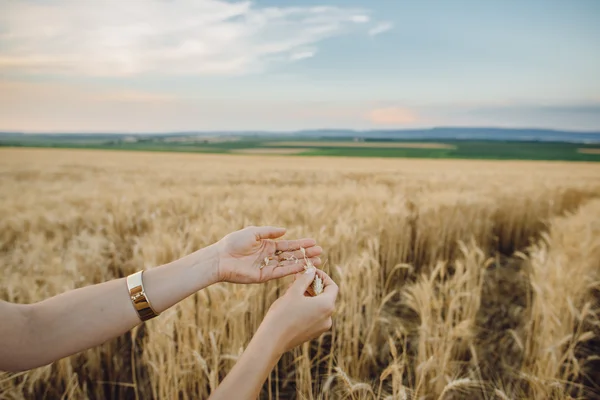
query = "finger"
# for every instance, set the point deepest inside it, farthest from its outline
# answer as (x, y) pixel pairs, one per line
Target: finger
(285, 270)
(327, 324)
(315, 261)
(289, 245)
(274, 270)
(297, 254)
(303, 281)
(268, 232)
(307, 292)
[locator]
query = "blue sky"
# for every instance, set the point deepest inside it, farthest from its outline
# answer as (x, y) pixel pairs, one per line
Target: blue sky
(156, 65)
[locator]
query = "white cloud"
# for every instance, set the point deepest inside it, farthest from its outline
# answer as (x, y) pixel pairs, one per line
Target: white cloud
(116, 37)
(301, 55)
(380, 28)
(360, 18)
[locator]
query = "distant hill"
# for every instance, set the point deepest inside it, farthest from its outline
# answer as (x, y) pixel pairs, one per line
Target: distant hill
(497, 134)
(441, 133)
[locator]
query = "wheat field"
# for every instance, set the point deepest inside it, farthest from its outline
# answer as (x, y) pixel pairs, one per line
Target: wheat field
(458, 279)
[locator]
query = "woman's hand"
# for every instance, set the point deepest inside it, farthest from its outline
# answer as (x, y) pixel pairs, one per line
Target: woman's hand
(296, 317)
(293, 319)
(252, 256)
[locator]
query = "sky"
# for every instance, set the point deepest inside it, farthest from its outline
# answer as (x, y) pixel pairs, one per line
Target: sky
(206, 65)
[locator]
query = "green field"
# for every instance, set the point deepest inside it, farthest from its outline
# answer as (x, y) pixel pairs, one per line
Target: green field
(465, 149)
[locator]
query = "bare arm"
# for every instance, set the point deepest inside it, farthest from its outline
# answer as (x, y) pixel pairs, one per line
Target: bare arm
(37, 334)
(246, 378)
(293, 319)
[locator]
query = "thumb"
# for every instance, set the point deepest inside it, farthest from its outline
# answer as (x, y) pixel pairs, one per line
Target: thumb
(268, 232)
(303, 280)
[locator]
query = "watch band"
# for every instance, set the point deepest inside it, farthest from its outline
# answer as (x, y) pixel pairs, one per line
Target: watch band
(138, 297)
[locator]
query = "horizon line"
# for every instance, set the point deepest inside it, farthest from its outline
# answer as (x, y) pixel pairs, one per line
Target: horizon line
(292, 131)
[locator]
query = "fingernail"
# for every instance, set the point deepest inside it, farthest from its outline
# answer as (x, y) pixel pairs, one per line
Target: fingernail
(309, 270)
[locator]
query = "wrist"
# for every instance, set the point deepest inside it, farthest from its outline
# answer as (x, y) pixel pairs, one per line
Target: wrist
(269, 344)
(272, 338)
(207, 264)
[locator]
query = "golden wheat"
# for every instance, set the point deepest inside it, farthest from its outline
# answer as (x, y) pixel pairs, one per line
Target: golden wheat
(458, 279)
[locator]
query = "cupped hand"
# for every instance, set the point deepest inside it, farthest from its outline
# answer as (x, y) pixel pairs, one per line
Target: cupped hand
(297, 317)
(251, 255)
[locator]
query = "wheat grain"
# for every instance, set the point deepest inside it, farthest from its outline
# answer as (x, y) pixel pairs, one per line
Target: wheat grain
(316, 287)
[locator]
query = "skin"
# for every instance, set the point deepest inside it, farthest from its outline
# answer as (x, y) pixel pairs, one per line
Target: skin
(79, 319)
(293, 319)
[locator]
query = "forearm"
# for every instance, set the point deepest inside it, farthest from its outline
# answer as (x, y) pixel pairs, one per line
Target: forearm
(248, 375)
(86, 317)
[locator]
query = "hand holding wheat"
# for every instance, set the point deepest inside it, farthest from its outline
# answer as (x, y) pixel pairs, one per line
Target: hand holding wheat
(297, 316)
(251, 255)
(292, 319)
